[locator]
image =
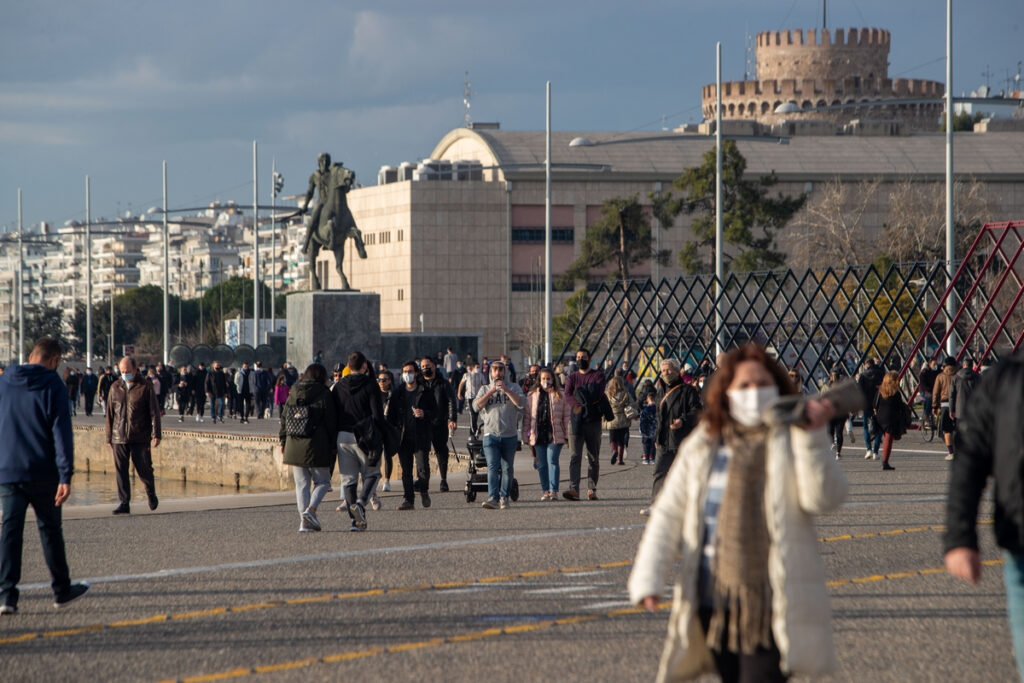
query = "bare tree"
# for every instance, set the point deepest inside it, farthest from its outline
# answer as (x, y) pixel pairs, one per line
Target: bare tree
(915, 229)
(830, 230)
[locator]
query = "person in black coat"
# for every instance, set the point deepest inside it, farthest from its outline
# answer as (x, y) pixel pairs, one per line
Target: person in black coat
(988, 444)
(891, 414)
(410, 411)
(445, 419)
(89, 385)
(360, 436)
(869, 380)
(679, 405)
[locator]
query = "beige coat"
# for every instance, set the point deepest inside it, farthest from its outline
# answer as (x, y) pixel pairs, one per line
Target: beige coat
(803, 479)
(618, 404)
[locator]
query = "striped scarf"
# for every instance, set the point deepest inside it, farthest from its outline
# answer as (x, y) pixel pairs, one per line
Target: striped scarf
(741, 588)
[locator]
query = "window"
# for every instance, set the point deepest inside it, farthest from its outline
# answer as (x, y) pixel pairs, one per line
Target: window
(535, 283)
(401, 236)
(560, 235)
(401, 295)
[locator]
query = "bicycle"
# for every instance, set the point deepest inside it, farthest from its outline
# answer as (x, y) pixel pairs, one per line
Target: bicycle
(927, 428)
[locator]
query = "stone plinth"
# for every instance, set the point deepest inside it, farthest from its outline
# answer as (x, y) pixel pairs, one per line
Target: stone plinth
(334, 324)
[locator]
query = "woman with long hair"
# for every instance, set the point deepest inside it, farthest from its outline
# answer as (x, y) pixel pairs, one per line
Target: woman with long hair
(309, 428)
(618, 427)
(546, 427)
(836, 424)
(281, 391)
(736, 513)
(890, 409)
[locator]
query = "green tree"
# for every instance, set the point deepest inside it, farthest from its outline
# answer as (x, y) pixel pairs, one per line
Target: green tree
(962, 121)
(622, 236)
(562, 326)
(751, 218)
(44, 321)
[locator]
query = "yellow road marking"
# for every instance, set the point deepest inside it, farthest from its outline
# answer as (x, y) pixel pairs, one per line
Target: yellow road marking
(159, 618)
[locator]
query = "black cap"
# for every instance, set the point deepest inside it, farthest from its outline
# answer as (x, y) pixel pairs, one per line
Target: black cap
(949, 361)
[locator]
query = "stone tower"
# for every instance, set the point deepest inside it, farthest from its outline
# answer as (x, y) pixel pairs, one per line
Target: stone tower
(813, 70)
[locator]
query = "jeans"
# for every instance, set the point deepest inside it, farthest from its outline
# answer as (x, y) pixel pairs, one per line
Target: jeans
(15, 499)
(408, 452)
(589, 434)
(352, 462)
(439, 440)
(320, 477)
(500, 452)
(871, 443)
(547, 465)
(217, 408)
(1013, 577)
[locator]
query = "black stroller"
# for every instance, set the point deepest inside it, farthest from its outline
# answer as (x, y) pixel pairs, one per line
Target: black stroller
(476, 473)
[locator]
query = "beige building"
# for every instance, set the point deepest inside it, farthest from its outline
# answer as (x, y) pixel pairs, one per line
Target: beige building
(454, 255)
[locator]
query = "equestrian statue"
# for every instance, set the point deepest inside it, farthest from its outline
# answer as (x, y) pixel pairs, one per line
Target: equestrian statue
(331, 221)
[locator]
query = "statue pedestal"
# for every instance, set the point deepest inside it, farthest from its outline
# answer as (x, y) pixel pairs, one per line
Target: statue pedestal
(334, 324)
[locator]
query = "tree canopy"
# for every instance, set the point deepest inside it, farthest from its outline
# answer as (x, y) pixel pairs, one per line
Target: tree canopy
(751, 218)
(621, 236)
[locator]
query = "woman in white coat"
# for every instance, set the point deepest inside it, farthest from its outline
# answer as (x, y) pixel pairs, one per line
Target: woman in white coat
(736, 512)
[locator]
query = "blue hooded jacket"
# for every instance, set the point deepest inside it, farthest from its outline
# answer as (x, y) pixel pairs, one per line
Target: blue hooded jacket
(35, 426)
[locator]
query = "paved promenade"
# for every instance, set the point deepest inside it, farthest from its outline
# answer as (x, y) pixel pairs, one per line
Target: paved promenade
(224, 587)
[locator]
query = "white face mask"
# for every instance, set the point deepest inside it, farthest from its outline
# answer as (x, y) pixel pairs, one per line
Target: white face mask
(408, 377)
(747, 405)
(545, 383)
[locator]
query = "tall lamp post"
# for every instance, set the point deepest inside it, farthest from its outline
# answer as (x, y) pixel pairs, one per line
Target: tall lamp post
(88, 276)
(21, 285)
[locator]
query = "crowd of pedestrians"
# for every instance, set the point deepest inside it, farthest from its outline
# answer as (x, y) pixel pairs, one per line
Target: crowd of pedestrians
(722, 476)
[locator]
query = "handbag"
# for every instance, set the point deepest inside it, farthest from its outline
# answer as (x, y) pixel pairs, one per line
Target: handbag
(631, 412)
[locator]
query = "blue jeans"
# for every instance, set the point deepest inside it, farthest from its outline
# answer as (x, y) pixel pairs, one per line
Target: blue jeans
(15, 499)
(547, 465)
(217, 408)
(500, 452)
(1013, 577)
(871, 443)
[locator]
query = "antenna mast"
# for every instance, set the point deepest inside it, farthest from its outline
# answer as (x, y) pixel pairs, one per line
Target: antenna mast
(467, 95)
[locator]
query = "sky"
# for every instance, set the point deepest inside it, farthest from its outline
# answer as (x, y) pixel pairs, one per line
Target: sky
(111, 89)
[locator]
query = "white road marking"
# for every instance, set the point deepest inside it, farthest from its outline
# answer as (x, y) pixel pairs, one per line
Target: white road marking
(603, 606)
(271, 562)
(563, 589)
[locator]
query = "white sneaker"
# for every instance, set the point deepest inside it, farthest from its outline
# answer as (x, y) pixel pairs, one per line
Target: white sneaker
(949, 456)
(874, 456)
(374, 501)
(385, 486)
(867, 455)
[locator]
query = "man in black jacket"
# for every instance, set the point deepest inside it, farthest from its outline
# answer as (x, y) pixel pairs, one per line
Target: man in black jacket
(440, 428)
(197, 389)
(869, 380)
(361, 425)
(678, 406)
(988, 444)
(410, 411)
(217, 391)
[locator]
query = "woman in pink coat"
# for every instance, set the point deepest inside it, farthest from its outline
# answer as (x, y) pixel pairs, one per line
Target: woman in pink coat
(545, 427)
(281, 392)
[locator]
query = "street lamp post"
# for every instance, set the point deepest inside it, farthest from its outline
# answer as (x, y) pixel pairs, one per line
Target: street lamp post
(21, 285)
(88, 275)
(199, 293)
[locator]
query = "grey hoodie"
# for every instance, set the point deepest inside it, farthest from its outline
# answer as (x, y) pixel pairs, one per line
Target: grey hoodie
(500, 414)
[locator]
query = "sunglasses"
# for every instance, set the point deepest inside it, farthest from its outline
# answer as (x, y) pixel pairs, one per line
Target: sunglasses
(383, 379)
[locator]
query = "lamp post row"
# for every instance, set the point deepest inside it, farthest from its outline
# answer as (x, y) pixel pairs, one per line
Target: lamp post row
(18, 283)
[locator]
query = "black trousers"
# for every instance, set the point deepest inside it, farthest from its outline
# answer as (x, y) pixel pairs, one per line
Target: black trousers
(140, 455)
(761, 666)
(89, 399)
(662, 464)
(407, 453)
(439, 440)
(15, 500)
(588, 434)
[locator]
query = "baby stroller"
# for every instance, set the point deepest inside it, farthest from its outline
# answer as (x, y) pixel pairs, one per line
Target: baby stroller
(476, 473)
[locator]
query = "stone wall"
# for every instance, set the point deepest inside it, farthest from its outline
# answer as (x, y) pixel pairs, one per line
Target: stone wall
(247, 461)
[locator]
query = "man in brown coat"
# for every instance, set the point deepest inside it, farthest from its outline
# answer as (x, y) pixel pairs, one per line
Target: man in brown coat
(133, 421)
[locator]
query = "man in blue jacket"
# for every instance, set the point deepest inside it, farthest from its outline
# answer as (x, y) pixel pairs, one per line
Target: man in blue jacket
(37, 460)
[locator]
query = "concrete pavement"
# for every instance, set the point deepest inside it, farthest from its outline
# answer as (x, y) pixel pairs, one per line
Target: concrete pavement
(208, 588)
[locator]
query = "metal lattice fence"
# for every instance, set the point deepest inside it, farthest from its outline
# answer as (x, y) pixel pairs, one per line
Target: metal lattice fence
(814, 319)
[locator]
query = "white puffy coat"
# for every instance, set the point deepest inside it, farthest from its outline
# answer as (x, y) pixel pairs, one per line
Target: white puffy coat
(803, 479)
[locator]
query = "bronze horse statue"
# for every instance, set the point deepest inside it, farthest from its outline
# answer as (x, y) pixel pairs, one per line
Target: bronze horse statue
(332, 222)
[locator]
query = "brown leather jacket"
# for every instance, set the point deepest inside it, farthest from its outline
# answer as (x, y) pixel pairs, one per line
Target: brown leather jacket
(943, 383)
(132, 414)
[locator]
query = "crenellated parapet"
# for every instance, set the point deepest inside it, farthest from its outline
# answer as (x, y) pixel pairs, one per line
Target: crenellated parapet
(816, 69)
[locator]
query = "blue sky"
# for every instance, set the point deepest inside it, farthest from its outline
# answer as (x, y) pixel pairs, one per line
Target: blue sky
(112, 88)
